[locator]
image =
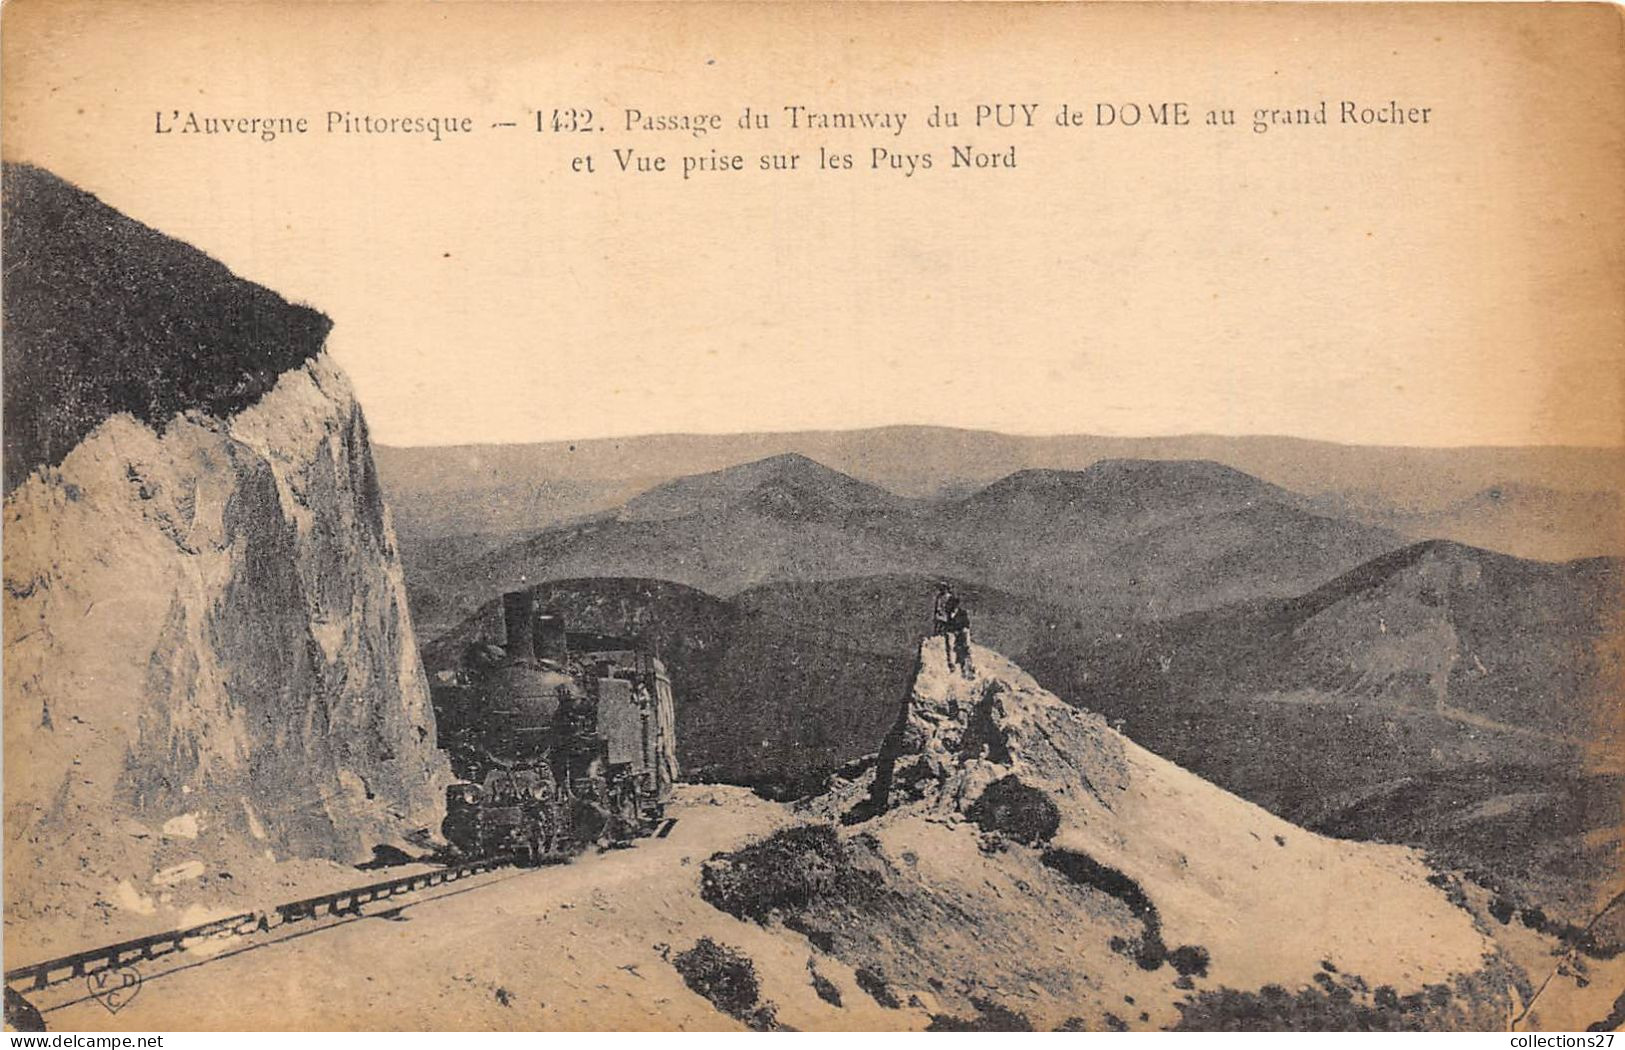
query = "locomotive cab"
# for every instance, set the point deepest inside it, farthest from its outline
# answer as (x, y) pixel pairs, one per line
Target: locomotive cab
(557, 746)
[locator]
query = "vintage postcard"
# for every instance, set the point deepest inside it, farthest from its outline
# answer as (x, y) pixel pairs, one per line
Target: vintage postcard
(818, 517)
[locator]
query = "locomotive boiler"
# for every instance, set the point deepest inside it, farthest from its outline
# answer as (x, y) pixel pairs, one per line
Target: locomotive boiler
(559, 739)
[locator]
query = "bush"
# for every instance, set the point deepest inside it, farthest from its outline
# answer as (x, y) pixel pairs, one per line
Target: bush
(1014, 809)
(990, 1017)
(1344, 1005)
(1189, 960)
(875, 984)
(823, 986)
(783, 874)
(726, 979)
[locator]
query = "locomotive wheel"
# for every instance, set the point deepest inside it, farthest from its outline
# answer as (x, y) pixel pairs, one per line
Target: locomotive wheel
(564, 835)
(591, 820)
(626, 810)
(544, 834)
(534, 846)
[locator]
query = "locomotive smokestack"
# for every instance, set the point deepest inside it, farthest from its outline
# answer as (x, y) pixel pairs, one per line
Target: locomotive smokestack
(518, 610)
(550, 637)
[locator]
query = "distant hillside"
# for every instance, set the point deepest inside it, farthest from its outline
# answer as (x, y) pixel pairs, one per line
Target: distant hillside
(1047, 522)
(1560, 525)
(887, 614)
(1126, 491)
(1263, 548)
(781, 519)
(790, 485)
(480, 508)
(1152, 537)
(1436, 664)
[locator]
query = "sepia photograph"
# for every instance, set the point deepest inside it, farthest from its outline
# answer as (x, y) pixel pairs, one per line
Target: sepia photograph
(698, 517)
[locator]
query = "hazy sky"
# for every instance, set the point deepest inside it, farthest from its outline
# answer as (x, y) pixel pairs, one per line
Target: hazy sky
(1457, 283)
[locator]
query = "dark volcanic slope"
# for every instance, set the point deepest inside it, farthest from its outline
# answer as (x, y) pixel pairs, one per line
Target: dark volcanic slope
(1151, 537)
(1438, 680)
(1265, 548)
(172, 330)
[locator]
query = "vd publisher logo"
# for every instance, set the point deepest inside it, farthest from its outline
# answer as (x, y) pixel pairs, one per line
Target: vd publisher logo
(114, 987)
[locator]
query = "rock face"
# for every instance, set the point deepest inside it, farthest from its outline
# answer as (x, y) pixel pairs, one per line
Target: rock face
(962, 731)
(209, 659)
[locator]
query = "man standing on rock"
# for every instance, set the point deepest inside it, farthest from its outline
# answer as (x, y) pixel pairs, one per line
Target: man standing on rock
(959, 632)
(939, 611)
(950, 620)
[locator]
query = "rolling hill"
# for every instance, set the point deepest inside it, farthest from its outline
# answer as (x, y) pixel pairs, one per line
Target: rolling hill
(790, 486)
(786, 519)
(1124, 537)
(1471, 692)
(1262, 548)
(1152, 537)
(1561, 524)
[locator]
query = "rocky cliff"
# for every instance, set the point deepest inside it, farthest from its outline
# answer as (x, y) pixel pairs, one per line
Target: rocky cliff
(210, 665)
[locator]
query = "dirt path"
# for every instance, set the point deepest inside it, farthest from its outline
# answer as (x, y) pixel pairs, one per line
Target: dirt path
(578, 946)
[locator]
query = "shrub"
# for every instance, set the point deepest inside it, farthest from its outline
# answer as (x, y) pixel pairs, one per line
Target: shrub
(1189, 960)
(1344, 1005)
(823, 986)
(1014, 809)
(990, 1017)
(782, 873)
(874, 982)
(726, 978)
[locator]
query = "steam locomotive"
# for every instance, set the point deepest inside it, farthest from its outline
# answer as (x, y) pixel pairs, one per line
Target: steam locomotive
(559, 739)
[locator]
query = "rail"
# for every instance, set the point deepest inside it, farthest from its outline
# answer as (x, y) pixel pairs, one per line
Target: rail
(41, 975)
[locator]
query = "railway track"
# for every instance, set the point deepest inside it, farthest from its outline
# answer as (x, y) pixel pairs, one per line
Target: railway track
(348, 903)
(82, 965)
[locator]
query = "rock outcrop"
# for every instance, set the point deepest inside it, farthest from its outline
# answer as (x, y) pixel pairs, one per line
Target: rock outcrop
(210, 665)
(1007, 852)
(960, 732)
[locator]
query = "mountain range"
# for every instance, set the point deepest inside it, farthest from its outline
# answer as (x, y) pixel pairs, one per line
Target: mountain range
(512, 490)
(1097, 539)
